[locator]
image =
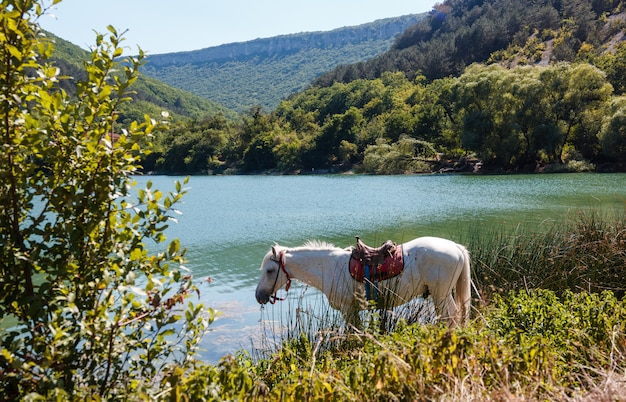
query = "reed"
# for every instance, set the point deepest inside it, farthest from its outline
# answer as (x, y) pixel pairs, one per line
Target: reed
(305, 313)
(583, 253)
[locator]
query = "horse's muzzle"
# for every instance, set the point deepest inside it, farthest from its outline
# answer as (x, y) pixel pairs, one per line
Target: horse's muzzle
(262, 297)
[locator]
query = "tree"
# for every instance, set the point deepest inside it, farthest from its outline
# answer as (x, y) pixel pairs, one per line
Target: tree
(573, 92)
(614, 65)
(257, 132)
(333, 142)
(190, 147)
(613, 133)
(516, 118)
(407, 155)
(88, 310)
(485, 100)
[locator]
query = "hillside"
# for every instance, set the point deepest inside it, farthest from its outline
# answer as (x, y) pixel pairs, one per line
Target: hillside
(151, 96)
(458, 33)
(264, 71)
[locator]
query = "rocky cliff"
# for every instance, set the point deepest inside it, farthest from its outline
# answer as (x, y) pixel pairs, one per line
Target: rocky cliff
(285, 44)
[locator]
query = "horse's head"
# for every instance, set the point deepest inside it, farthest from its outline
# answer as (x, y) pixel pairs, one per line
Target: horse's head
(273, 275)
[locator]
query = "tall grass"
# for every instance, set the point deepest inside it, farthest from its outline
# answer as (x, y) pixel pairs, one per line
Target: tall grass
(586, 252)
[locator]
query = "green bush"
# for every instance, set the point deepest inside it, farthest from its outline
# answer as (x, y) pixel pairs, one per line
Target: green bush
(87, 310)
(407, 155)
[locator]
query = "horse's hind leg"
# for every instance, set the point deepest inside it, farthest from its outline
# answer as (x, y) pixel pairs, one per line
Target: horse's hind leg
(446, 308)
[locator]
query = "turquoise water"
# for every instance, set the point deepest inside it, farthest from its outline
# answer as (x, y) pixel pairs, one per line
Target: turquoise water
(230, 222)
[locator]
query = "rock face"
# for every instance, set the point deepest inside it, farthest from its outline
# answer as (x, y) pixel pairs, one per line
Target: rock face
(285, 44)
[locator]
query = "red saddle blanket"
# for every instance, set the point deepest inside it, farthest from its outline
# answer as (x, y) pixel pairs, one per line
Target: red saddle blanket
(391, 266)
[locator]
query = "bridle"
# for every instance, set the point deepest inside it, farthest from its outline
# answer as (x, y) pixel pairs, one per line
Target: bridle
(281, 266)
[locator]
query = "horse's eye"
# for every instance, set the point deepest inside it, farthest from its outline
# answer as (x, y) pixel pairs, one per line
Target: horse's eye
(270, 270)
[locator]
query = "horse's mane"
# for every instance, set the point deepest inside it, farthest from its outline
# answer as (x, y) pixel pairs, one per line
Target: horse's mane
(318, 245)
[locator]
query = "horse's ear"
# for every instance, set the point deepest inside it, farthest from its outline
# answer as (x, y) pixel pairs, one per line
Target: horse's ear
(274, 250)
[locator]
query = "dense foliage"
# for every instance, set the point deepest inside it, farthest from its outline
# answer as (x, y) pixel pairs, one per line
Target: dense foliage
(562, 117)
(89, 309)
(458, 33)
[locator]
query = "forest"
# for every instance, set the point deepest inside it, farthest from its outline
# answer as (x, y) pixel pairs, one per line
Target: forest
(477, 85)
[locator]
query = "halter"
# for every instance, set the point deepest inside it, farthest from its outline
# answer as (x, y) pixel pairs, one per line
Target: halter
(281, 265)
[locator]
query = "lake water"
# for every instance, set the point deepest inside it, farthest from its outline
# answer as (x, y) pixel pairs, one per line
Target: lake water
(230, 222)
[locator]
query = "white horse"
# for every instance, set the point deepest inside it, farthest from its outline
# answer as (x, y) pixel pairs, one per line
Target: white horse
(432, 265)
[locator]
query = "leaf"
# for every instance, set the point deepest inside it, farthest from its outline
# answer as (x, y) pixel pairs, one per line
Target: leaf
(136, 254)
(174, 247)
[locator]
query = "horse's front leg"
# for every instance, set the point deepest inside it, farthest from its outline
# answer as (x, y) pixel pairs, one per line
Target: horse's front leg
(349, 301)
(351, 315)
(349, 308)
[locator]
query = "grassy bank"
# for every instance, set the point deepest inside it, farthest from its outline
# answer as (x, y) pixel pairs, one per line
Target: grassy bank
(550, 324)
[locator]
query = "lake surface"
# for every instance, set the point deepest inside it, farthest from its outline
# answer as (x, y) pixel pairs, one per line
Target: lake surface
(230, 222)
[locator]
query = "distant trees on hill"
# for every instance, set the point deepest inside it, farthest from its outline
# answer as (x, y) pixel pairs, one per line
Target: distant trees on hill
(521, 119)
(458, 33)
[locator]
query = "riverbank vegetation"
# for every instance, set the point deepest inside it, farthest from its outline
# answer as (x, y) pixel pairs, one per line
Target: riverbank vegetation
(564, 117)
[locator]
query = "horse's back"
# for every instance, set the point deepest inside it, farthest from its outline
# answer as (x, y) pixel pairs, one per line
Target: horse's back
(432, 257)
(432, 244)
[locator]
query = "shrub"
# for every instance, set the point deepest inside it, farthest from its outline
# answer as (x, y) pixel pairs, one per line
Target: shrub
(88, 311)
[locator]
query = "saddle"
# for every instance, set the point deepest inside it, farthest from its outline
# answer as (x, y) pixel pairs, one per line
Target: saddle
(373, 256)
(373, 264)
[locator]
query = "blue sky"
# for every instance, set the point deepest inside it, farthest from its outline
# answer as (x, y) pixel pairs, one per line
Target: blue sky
(160, 26)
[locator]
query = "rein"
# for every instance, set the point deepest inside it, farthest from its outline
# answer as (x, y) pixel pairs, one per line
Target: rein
(281, 265)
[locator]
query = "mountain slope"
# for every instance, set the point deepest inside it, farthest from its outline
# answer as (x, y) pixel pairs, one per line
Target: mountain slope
(458, 33)
(264, 71)
(151, 96)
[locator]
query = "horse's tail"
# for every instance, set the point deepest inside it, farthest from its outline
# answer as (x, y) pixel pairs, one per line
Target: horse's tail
(462, 294)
